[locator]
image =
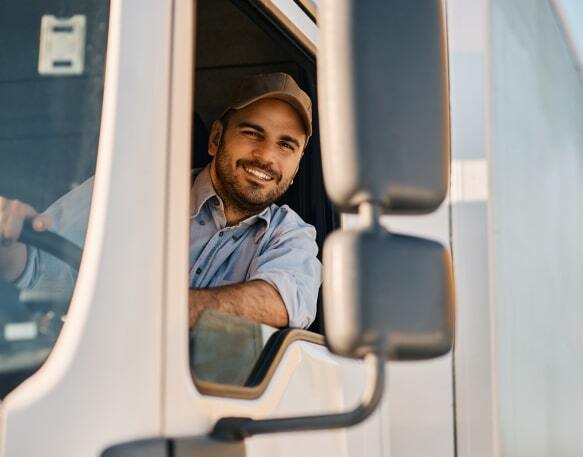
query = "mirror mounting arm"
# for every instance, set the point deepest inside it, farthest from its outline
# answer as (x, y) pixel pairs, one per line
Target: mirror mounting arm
(370, 212)
(239, 428)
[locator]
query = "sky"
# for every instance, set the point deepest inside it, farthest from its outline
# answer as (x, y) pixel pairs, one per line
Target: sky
(571, 13)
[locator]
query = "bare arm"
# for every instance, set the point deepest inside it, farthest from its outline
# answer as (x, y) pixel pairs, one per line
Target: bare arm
(255, 300)
(13, 255)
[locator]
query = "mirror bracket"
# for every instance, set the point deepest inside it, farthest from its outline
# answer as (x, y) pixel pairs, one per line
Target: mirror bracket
(239, 428)
(369, 212)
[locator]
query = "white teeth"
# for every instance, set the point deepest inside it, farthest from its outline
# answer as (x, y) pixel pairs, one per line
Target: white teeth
(258, 174)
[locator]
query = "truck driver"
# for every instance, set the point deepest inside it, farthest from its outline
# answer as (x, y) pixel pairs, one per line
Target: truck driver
(248, 256)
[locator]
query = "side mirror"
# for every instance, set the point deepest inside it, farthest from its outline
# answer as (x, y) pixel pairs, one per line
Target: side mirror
(387, 294)
(384, 116)
(384, 103)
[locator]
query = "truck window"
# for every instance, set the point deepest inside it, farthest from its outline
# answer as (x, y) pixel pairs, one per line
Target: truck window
(51, 86)
(236, 39)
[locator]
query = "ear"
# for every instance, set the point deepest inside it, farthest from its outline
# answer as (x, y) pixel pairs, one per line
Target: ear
(215, 138)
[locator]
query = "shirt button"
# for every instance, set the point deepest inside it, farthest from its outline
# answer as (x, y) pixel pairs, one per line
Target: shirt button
(221, 234)
(201, 222)
(198, 270)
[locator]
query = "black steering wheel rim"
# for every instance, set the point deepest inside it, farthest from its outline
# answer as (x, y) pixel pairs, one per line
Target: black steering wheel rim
(53, 244)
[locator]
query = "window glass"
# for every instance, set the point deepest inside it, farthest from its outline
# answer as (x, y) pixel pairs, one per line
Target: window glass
(52, 60)
(225, 348)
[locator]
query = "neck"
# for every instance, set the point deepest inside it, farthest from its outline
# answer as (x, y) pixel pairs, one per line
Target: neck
(232, 214)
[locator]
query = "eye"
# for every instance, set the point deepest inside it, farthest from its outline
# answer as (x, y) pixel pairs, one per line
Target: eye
(286, 145)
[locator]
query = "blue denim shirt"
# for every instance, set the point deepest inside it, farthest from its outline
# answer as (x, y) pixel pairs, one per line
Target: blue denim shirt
(275, 245)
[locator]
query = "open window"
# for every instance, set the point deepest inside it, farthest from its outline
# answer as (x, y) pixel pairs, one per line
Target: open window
(235, 39)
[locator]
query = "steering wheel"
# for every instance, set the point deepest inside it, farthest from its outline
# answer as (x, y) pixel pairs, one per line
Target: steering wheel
(53, 244)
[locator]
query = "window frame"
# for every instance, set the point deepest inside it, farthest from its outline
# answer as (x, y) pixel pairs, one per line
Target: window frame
(310, 8)
(268, 16)
(272, 20)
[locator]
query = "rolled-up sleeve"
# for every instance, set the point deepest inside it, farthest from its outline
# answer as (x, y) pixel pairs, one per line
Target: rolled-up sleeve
(29, 275)
(69, 215)
(290, 264)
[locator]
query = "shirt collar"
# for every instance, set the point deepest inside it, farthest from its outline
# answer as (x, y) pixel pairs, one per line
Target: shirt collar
(203, 190)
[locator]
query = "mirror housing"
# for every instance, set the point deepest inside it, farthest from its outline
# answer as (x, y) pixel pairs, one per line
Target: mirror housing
(385, 131)
(384, 103)
(385, 293)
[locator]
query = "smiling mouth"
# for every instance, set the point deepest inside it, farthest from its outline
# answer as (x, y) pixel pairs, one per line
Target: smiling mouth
(260, 175)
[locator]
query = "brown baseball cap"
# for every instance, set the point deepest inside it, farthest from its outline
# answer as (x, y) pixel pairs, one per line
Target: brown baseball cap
(273, 85)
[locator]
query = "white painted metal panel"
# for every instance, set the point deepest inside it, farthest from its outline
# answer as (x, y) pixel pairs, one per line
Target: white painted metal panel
(468, 22)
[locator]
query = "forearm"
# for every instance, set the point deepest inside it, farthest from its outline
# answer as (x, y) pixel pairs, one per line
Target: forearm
(256, 301)
(12, 261)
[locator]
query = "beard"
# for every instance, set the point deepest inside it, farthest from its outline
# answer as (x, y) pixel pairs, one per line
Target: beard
(246, 196)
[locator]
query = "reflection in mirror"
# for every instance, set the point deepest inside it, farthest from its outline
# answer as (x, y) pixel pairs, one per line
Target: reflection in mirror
(225, 348)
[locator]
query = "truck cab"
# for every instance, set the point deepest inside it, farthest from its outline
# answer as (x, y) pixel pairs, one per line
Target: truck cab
(111, 101)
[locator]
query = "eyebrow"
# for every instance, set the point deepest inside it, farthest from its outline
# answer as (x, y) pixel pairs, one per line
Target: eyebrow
(288, 138)
(243, 125)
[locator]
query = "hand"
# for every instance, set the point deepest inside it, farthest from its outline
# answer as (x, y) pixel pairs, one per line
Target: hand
(13, 214)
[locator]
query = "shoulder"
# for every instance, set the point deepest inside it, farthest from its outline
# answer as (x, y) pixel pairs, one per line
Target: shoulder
(69, 213)
(283, 216)
(79, 196)
(286, 222)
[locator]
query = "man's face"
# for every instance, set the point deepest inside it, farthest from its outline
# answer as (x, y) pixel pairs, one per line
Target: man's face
(257, 156)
